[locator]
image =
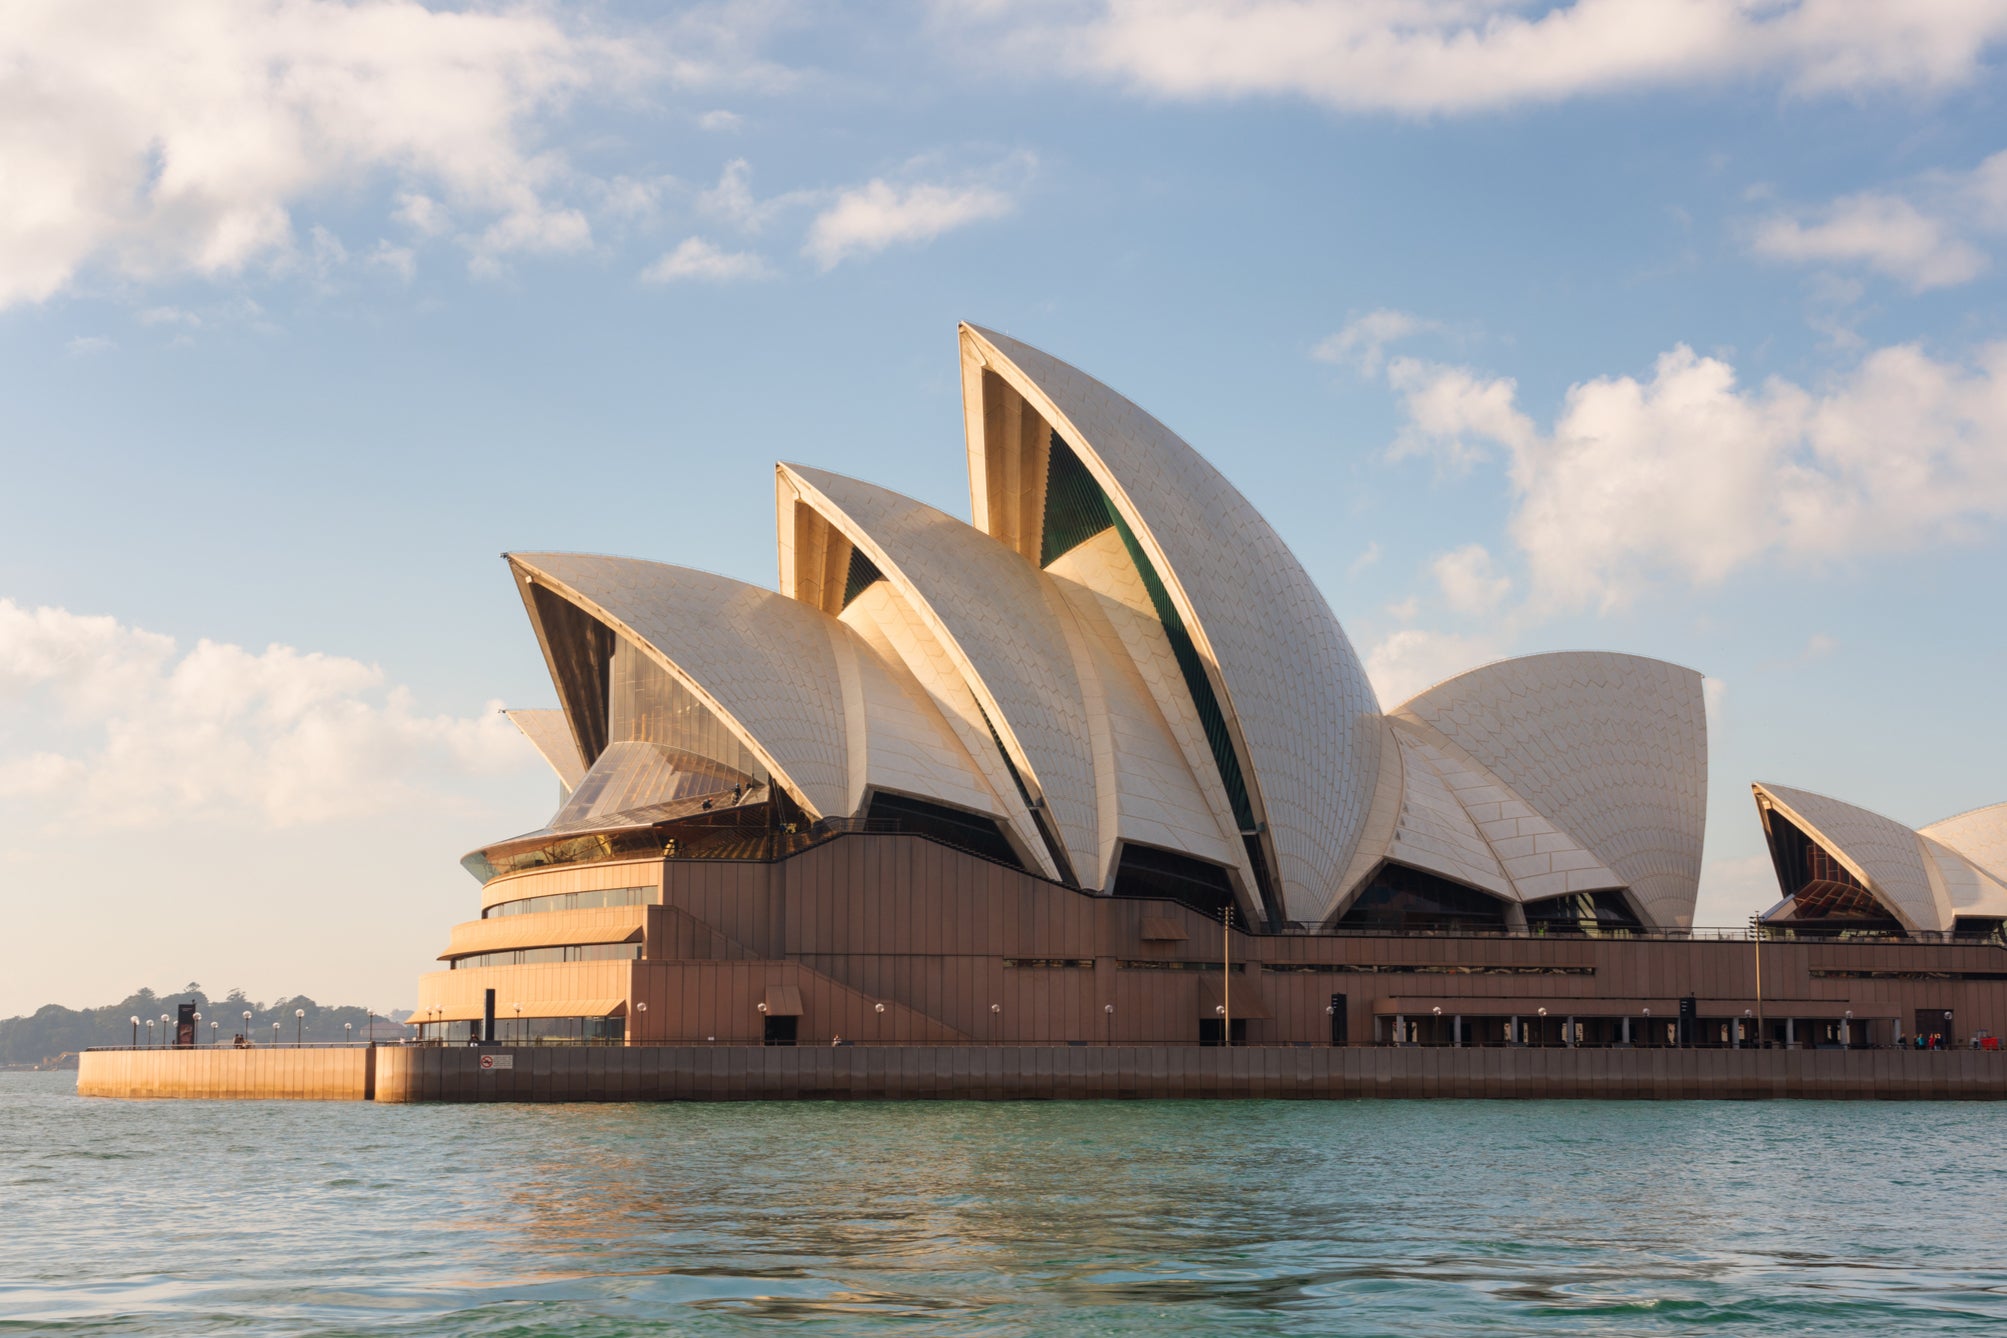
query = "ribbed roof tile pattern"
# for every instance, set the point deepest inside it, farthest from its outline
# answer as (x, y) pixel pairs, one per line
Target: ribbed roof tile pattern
(1980, 836)
(1610, 749)
(1888, 856)
(1305, 710)
(762, 661)
(998, 611)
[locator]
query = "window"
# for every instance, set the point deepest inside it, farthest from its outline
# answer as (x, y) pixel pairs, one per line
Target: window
(572, 901)
(951, 826)
(1581, 913)
(570, 952)
(1146, 871)
(1404, 898)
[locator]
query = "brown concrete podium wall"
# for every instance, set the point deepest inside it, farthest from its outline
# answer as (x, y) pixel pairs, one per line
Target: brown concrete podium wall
(256, 1074)
(978, 1072)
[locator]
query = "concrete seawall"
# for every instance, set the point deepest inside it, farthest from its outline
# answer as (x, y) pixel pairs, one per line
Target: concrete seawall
(1004, 1073)
(260, 1074)
(1011, 1073)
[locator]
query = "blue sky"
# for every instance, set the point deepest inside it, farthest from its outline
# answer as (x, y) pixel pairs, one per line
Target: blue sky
(1667, 326)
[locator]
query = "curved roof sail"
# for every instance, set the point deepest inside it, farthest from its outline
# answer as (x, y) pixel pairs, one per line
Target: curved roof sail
(1292, 722)
(1609, 749)
(761, 663)
(993, 614)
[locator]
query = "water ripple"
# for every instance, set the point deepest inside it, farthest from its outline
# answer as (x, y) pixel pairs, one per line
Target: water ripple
(1120, 1218)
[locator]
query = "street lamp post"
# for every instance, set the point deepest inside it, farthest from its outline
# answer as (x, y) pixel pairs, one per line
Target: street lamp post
(1756, 941)
(213, 1025)
(879, 1009)
(347, 1031)
(247, 1026)
(1648, 1025)
(275, 1031)
(996, 1021)
(1542, 1024)
(299, 1025)
(149, 1031)
(164, 1032)
(1108, 1017)
(135, 1030)
(195, 1037)
(1437, 1011)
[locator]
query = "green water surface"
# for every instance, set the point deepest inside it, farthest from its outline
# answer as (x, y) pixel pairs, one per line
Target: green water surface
(1063, 1218)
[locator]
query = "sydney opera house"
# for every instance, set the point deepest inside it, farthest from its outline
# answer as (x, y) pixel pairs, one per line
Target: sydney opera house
(1100, 764)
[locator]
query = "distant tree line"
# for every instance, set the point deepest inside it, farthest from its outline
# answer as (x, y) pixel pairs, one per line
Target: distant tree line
(44, 1036)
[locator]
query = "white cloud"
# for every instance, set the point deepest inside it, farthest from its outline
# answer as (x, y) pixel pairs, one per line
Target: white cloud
(696, 258)
(1407, 661)
(1690, 475)
(175, 137)
(866, 219)
(1883, 232)
(168, 316)
(1470, 582)
(140, 733)
(1714, 702)
(720, 120)
(399, 260)
(1368, 557)
(1921, 233)
(1363, 341)
(85, 345)
(1423, 56)
(1453, 414)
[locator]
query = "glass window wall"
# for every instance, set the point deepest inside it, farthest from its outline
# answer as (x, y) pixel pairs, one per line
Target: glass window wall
(572, 901)
(569, 952)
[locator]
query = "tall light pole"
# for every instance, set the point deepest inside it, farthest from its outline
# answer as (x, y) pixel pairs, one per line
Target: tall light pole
(149, 1031)
(879, 1009)
(299, 1025)
(135, 1031)
(213, 1024)
(275, 1031)
(195, 1037)
(164, 1033)
(247, 1026)
(347, 1032)
(1756, 941)
(1226, 976)
(1108, 1016)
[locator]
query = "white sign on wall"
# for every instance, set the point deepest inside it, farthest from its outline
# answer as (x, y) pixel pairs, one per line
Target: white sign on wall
(498, 1061)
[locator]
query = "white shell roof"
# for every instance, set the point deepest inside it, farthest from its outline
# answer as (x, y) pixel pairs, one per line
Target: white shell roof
(1460, 820)
(551, 736)
(1294, 691)
(1005, 624)
(1980, 836)
(761, 661)
(1926, 878)
(1886, 856)
(820, 707)
(1608, 750)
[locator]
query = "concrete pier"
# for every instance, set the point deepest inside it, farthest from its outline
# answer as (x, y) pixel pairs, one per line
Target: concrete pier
(265, 1073)
(1036, 1072)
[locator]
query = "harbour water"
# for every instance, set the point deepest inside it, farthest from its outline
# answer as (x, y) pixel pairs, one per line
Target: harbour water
(1443, 1217)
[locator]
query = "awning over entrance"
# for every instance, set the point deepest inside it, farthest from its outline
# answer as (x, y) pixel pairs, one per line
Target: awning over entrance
(782, 1001)
(1245, 1001)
